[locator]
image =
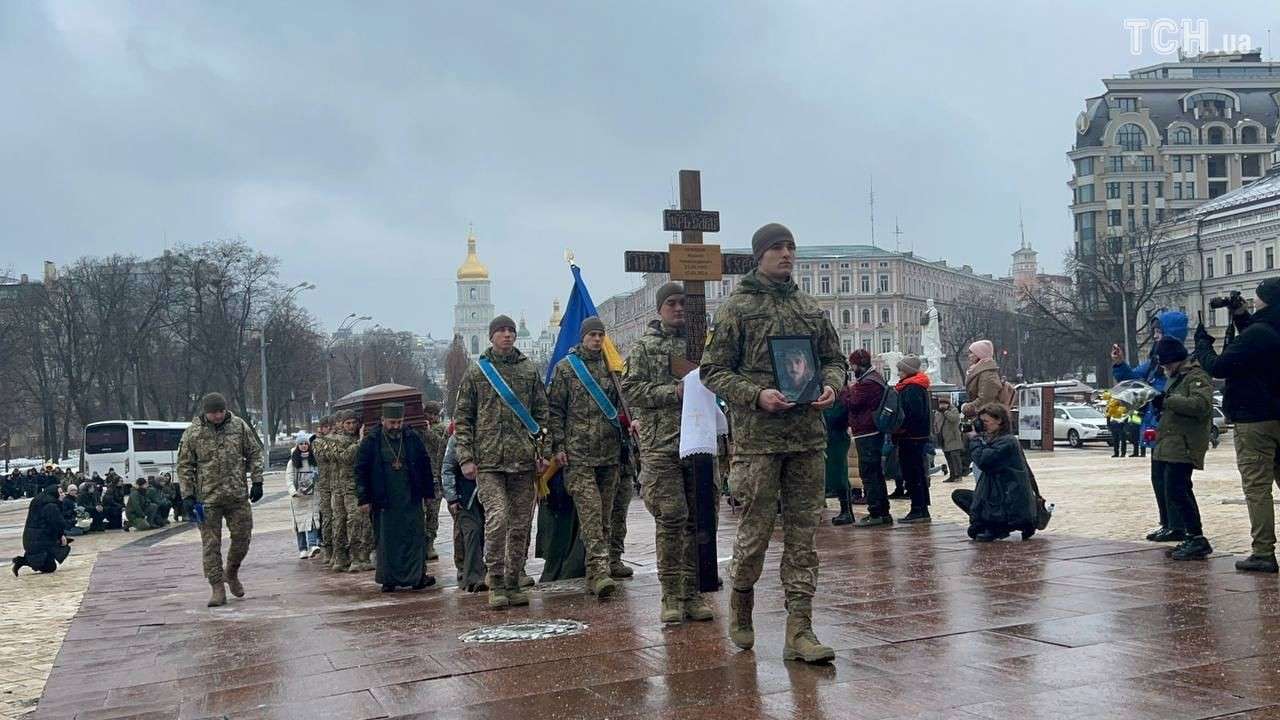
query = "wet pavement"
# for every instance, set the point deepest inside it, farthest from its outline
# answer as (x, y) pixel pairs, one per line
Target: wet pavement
(926, 625)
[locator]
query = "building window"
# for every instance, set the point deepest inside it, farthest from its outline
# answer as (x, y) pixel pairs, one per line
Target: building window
(1146, 163)
(866, 316)
(1181, 136)
(1189, 191)
(724, 287)
(1084, 166)
(1113, 218)
(1127, 104)
(1250, 165)
(1146, 217)
(1133, 220)
(1182, 272)
(1159, 215)
(886, 344)
(1248, 261)
(865, 284)
(1085, 193)
(1084, 223)
(1216, 136)
(1131, 137)
(844, 266)
(1177, 191)
(1113, 191)
(884, 316)
(1128, 193)
(845, 284)
(824, 266)
(846, 317)
(1208, 268)
(1188, 163)
(864, 265)
(475, 345)
(884, 283)
(1228, 265)
(806, 284)
(1160, 189)
(884, 264)
(1115, 164)
(847, 345)
(1269, 259)
(1146, 197)
(824, 285)
(866, 345)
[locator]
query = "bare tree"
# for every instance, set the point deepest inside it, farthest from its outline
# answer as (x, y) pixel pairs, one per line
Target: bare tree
(455, 366)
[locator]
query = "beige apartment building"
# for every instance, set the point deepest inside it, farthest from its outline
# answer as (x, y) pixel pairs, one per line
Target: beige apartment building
(1165, 138)
(873, 297)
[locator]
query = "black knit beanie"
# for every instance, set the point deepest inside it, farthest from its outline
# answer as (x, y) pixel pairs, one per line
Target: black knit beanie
(768, 236)
(501, 322)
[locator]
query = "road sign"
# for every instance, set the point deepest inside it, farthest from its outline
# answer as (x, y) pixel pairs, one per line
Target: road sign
(695, 262)
(656, 261)
(691, 220)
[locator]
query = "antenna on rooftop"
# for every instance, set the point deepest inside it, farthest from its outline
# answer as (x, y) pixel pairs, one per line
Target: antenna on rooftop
(897, 235)
(873, 210)
(1021, 230)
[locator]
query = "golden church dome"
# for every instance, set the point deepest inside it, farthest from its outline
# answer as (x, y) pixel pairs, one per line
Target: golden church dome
(472, 268)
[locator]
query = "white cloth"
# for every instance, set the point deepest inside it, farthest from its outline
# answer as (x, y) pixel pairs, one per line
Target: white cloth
(701, 420)
(305, 507)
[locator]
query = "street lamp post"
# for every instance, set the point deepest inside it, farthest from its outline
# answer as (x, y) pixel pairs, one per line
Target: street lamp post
(347, 323)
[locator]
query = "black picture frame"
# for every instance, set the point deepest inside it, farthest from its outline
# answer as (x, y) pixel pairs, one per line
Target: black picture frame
(789, 353)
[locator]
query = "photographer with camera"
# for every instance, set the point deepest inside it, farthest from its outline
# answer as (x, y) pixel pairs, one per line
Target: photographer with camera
(1165, 324)
(1251, 399)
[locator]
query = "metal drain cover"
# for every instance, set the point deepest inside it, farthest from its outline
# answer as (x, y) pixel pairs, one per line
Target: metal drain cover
(518, 632)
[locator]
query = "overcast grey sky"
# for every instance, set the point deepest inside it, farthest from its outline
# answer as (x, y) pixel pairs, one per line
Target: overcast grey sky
(357, 141)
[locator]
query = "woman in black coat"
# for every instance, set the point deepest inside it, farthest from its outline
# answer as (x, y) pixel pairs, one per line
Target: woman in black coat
(43, 539)
(1004, 499)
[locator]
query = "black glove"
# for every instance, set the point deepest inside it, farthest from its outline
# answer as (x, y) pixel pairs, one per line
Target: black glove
(255, 492)
(1158, 403)
(1203, 337)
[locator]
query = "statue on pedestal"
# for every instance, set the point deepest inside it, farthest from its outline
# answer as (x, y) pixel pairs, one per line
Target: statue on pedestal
(931, 342)
(890, 360)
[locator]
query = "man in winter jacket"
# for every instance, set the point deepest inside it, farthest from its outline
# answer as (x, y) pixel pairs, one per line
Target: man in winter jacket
(863, 399)
(1167, 324)
(1251, 398)
(1182, 438)
(911, 438)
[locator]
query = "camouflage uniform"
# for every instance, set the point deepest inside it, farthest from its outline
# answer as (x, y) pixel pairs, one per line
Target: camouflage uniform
(490, 435)
(666, 483)
(212, 462)
(434, 438)
(325, 495)
(593, 445)
(621, 505)
(352, 530)
(775, 455)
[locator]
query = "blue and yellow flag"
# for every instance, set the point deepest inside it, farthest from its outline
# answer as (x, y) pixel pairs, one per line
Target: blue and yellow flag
(579, 308)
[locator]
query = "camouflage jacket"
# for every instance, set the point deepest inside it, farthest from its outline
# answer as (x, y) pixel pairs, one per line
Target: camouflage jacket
(213, 460)
(489, 433)
(650, 388)
(738, 365)
(434, 437)
(336, 454)
(578, 427)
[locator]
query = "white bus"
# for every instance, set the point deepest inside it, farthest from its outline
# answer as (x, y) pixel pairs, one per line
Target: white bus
(135, 448)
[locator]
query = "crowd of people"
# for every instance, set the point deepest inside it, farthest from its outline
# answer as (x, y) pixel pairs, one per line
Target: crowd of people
(365, 496)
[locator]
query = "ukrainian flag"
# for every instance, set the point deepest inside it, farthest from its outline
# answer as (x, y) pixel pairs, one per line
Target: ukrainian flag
(579, 308)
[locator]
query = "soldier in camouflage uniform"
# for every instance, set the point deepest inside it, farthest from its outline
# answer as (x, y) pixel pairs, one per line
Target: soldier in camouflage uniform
(777, 445)
(352, 529)
(495, 449)
(667, 484)
(588, 446)
(622, 494)
(215, 453)
(323, 490)
(434, 437)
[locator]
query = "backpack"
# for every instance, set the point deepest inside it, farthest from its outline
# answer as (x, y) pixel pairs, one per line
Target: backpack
(1007, 394)
(888, 417)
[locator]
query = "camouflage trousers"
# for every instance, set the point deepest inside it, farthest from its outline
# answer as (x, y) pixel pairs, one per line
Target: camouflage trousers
(239, 518)
(326, 512)
(667, 488)
(508, 516)
(622, 495)
(352, 528)
(759, 482)
(431, 514)
(592, 490)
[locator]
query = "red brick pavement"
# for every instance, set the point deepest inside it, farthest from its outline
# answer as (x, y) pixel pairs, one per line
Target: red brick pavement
(926, 625)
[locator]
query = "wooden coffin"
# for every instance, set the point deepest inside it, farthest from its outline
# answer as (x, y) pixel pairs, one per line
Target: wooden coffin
(367, 402)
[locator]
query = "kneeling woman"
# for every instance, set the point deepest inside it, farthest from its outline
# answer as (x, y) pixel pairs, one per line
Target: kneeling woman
(1004, 499)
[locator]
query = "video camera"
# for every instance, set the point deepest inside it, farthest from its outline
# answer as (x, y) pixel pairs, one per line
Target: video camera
(1233, 301)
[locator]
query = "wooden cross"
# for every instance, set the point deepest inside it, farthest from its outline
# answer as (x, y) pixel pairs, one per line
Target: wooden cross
(693, 263)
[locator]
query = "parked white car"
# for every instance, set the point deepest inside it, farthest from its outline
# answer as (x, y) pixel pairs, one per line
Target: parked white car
(1079, 424)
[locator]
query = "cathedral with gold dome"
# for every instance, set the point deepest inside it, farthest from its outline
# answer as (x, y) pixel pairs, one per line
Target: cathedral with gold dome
(474, 307)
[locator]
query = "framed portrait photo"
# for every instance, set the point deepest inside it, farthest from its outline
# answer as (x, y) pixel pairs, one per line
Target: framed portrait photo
(795, 367)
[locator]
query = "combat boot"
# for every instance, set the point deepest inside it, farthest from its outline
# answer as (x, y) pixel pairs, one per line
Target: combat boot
(672, 609)
(740, 630)
(232, 576)
(619, 570)
(696, 608)
(219, 596)
(324, 556)
(516, 595)
(603, 586)
(526, 581)
(498, 597)
(801, 643)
